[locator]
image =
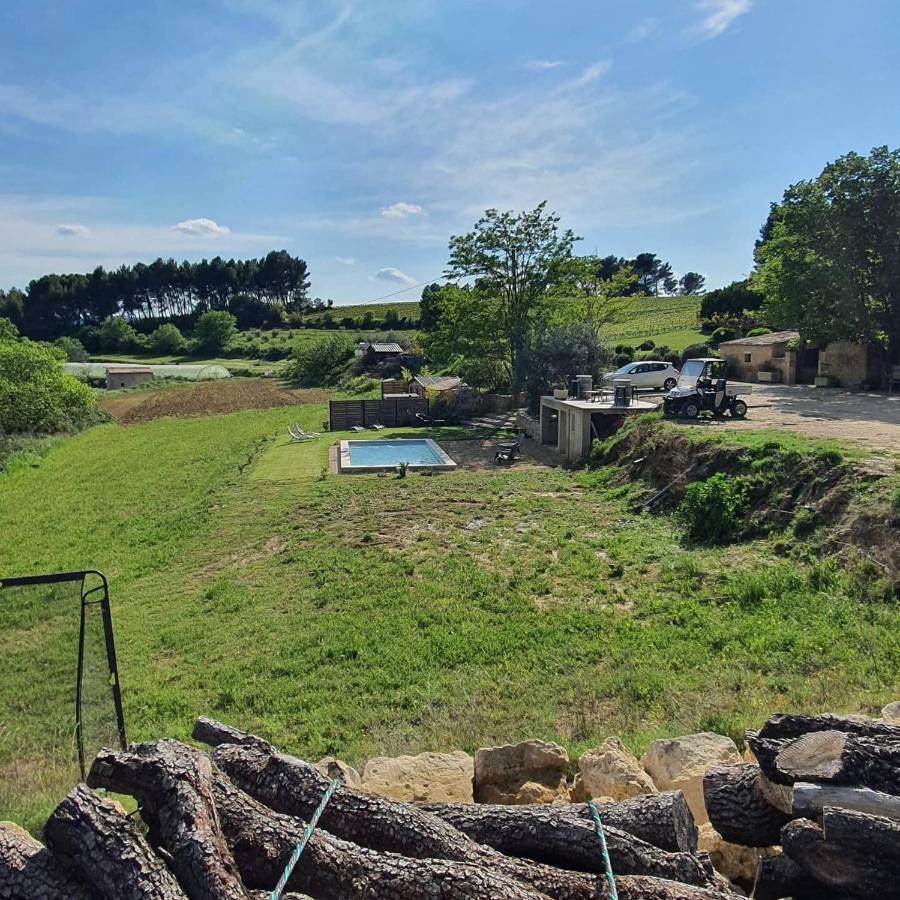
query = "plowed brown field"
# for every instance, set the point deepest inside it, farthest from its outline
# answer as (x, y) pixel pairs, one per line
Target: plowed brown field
(207, 398)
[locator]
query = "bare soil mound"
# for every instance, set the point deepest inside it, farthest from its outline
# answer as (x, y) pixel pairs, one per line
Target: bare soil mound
(207, 398)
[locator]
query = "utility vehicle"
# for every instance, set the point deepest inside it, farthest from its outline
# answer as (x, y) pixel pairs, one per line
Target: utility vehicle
(702, 387)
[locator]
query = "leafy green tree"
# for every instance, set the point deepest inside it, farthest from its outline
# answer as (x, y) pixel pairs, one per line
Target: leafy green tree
(691, 283)
(514, 258)
(828, 262)
(214, 331)
(586, 290)
(8, 331)
(560, 353)
(322, 362)
(167, 340)
(732, 300)
(72, 348)
(36, 394)
(115, 335)
(429, 307)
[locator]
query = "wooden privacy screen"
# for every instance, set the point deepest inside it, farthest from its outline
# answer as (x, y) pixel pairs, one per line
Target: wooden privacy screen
(391, 412)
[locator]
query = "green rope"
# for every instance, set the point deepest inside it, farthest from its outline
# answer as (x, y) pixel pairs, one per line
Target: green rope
(307, 834)
(607, 865)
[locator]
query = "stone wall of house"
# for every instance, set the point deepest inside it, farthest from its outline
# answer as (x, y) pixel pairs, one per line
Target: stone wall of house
(848, 365)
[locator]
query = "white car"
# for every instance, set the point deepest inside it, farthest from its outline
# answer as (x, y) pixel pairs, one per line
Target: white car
(647, 375)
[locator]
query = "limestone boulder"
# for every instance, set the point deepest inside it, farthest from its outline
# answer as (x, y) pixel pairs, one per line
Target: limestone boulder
(891, 713)
(678, 764)
(435, 777)
(336, 768)
(735, 862)
(527, 772)
(611, 770)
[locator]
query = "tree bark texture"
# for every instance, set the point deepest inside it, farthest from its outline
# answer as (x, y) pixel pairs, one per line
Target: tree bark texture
(779, 877)
(810, 799)
(29, 871)
(781, 727)
(92, 838)
(737, 808)
(172, 782)
(559, 836)
(841, 758)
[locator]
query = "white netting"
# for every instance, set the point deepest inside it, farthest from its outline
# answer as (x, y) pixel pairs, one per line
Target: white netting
(190, 372)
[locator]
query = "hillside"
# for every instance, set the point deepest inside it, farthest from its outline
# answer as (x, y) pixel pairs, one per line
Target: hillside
(408, 309)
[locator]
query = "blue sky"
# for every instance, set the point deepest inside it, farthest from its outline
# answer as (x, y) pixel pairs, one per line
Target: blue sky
(360, 135)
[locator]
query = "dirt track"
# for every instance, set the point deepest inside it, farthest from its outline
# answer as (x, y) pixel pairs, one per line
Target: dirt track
(205, 399)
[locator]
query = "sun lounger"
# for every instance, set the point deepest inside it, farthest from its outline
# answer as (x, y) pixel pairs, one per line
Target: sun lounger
(377, 426)
(297, 436)
(427, 420)
(309, 434)
(357, 428)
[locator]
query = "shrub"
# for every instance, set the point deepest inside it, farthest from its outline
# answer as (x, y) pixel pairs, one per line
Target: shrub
(36, 394)
(647, 345)
(214, 331)
(621, 360)
(320, 362)
(895, 500)
(757, 332)
(72, 348)
(722, 334)
(115, 335)
(358, 384)
(624, 350)
(167, 340)
(804, 522)
(8, 330)
(273, 354)
(711, 510)
(695, 351)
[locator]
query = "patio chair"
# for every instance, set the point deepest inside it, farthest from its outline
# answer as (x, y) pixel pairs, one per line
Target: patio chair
(309, 434)
(507, 451)
(427, 420)
(377, 426)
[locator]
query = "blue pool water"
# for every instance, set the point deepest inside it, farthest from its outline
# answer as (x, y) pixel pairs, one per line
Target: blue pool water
(391, 453)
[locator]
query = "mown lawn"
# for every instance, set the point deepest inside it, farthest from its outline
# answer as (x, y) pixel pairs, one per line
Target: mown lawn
(355, 615)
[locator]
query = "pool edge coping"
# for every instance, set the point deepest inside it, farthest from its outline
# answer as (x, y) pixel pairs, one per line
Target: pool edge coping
(345, 467)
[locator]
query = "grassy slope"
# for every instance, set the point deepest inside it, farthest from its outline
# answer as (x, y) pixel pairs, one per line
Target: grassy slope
(673, 321)
(408, 309)
(364, 615)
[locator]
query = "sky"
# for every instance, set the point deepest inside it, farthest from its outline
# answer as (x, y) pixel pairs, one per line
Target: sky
(361, 134)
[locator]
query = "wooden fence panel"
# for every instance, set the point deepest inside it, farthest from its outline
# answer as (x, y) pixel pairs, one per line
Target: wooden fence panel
(391, 412)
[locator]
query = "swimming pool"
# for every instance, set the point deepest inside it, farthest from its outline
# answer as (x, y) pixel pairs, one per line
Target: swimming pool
(385, 456)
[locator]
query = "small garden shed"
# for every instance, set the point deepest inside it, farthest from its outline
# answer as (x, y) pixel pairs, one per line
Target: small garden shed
(118, 377)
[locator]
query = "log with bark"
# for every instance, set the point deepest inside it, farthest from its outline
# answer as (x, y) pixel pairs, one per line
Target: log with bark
(779, 877)
(853, 854)
(104, 847)
(810, 799)
(172, 782)
(842, 758)
(565, 836)
(738, 808)
(782, 727)
(29, 871)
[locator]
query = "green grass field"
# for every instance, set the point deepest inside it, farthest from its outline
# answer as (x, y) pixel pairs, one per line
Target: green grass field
(360, 615)
(408, 309)
(670, 321)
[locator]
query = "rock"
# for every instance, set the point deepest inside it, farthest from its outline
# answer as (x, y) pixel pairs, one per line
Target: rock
(748, 755)
(678, 764)
(891, 713)
(435, 777)
(527, 772)
(612, 771)
(336, 768)
(15, 829)
(735, 862)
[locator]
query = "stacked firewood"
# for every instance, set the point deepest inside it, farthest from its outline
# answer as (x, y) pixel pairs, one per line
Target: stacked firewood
(827, 790)
(223, 825)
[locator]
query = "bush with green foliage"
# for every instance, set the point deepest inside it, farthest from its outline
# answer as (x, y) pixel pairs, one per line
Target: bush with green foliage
(720, 335)
(36, 394)
(72, 348)
(712, 510)
(167, 340)
(696, 351)
(8, 331)
(214, 331)
(647, 345)
(759, 331)
(895, 500)
(115, 335)
(322, 362)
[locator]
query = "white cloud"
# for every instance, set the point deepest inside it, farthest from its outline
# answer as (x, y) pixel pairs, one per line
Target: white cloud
(73, 230)
(346, 260)
(201, 228)
(401, 210)
(591, 73)
(644, 29)
(720, 14)
(395, 276)
(541, 65)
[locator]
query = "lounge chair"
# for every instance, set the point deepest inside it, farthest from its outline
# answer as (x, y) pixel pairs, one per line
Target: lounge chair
(357, 428)
(308, 434)
(297, 436)
(377, 426)
(427, 420)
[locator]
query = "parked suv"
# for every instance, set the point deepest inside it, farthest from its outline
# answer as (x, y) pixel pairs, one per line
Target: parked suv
(647, 375)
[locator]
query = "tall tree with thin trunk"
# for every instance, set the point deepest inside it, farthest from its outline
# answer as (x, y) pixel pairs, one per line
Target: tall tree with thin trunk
(515, 258)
